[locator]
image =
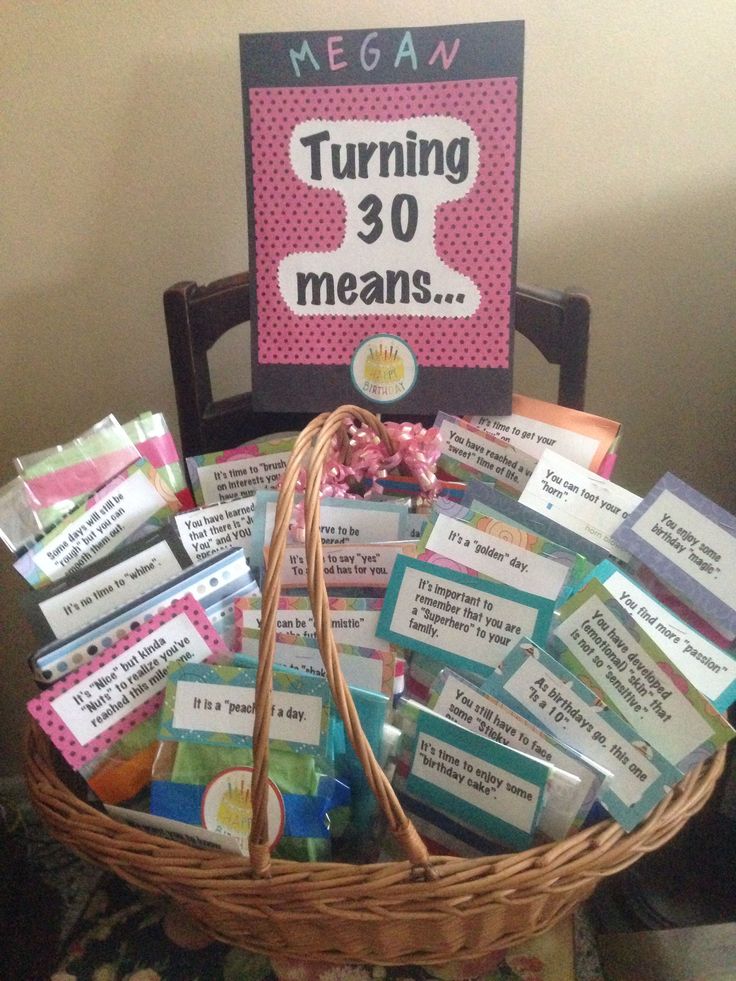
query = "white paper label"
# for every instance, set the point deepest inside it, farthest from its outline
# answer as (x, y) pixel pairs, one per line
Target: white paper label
(534, 437)
(460, 703)
(692, 542)
(73, 609)
(641, 691)
(355, 627)
(206, 707)
(113, 691)
(207, 531)
(476, 781)
(367, 566)
(468, 622)
(101, 528)
(572, 721)
(232, 479)
(339, 525)
(579, 500)
(706, 666)
(497, 559)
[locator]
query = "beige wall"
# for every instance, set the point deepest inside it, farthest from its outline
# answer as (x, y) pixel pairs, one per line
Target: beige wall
(122, 172)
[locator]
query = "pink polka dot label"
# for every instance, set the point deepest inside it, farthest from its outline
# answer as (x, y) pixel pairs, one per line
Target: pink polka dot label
(93, 707)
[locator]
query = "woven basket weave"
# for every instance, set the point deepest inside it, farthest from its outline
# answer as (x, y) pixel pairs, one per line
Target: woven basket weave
(424, 910)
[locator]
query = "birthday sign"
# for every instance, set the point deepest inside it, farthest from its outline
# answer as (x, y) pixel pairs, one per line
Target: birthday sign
(382, 197)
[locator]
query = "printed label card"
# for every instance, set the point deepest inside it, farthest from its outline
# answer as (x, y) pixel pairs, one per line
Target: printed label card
(539, 688)
(215, 703)
(208, 530)
(666, 596)
(363, 667)
(231, 474)
(468, 452)
(70, 605)
(340, 521)
(603, 646)
(132, 504)
(208, 582)
(580, 500)
(477, 543)
(535, 426)
(488, 500)
(574, 783)
(346, 566)
(85, 712)
(689, 542)
(382, 200)
(354, 618)
(491, 788)
(464, 621)
(705, 665)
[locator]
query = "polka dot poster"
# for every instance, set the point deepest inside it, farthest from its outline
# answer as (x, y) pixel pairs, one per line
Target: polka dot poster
(382, 180)
(87, 711)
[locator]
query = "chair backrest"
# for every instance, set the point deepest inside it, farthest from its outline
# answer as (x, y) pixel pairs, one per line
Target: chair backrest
(557, 323)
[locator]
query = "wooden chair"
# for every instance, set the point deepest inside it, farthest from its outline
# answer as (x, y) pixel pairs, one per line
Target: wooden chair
(557, 323)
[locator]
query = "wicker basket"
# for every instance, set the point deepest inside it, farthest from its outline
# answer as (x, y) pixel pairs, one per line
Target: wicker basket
(420, 911)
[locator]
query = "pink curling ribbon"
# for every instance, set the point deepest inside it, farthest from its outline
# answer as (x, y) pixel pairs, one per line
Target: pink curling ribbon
(418, 450)
(354, 473)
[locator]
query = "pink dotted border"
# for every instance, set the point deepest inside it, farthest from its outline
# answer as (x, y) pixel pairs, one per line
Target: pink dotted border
(473, 235)
(42, 707)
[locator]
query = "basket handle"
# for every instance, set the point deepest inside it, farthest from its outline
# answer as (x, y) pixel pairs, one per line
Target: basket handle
(319, 432)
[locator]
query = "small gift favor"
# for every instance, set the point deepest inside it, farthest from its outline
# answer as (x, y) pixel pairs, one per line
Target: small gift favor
(370, 691)
(487, 545)
(131, 505)
(544, 692)
(227, 475)
(154, 442)
(102, 717)
(203, 770)
(534, 425)
(97, 591)
(218, 579)
(469, 452)
(602, 645)
(63, 477)
(446, 772)
(574, 783)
